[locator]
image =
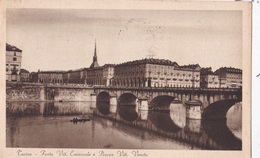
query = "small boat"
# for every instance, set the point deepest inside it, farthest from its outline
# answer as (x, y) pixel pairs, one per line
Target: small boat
(79, 119)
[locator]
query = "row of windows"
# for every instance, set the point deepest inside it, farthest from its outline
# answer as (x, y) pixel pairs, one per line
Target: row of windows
(7, 69)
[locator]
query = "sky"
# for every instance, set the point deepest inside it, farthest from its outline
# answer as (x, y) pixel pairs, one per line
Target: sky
(64, 39)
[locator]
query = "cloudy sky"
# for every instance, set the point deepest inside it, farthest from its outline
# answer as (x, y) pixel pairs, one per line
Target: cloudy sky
(64, 39)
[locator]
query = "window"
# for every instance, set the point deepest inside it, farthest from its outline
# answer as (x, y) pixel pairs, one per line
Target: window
(14, 53)
(14, 59)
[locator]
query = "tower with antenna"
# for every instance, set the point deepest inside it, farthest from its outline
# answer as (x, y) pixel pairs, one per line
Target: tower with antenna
(94, 62)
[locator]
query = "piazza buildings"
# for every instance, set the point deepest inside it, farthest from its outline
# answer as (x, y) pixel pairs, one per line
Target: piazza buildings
(148, 72)
(209, 79)
(229, 77)
(156, 73)
(102, 75)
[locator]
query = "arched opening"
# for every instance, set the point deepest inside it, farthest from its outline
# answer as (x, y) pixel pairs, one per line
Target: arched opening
(127, 107)
(161, 102)
(103, 105)
(127, 99)
(218, 109)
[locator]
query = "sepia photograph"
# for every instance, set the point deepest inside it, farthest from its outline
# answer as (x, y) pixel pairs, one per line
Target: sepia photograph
(134, 80)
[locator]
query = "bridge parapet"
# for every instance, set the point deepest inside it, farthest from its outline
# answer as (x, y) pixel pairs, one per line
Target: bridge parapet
(171, 89)
(164, 95)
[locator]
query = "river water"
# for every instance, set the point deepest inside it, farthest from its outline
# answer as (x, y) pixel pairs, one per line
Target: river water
(48, 125)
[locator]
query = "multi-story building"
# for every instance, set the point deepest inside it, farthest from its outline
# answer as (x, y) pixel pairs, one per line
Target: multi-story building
(25, 75)
(108, 74)
(208, 79)
(95, 76)
(102, 75)
(131, 74)
(48, 76)
(188, 75)
(156, 73)
(229, 77)
(75, 76)
(13, 63)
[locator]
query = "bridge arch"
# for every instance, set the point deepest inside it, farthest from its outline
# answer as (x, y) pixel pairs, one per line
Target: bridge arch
(103, 96)
(161, 101)
(127, 99)
(218, 109)
(102, 103)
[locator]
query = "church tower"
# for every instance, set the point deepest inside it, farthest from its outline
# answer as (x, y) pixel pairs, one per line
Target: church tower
(94, 63)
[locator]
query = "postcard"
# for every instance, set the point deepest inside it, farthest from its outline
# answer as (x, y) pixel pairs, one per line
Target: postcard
(125, 79)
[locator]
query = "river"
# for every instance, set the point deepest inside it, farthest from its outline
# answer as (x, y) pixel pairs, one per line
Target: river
(48, 125)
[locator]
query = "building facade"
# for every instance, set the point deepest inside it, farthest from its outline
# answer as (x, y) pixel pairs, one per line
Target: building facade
(108, 74)
(78, 76)
(25, 75)
(208, 79)
(13, 63)
(138, 73)
(229, 77)
(188, 76)
(48, 76)
(102, 75)
(156, 73)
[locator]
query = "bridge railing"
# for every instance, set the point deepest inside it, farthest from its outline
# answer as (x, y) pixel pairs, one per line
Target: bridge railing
(168, 88)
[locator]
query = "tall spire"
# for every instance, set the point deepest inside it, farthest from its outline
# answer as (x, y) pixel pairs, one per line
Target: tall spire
(95, 53)
(95, 63)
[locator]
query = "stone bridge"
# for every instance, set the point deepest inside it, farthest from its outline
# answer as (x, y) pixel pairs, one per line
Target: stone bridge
(215, 101)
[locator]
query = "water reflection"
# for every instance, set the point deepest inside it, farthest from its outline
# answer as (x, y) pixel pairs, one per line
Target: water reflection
(103, 107)
(234, 120)
(220, 133)
(163, 121)
(178, 114)
(144, 129)
(193, 126)
(23, 108)
(128, 113)
(143, 115)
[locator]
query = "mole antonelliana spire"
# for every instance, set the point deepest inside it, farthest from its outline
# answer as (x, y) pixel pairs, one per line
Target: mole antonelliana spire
(95, 63)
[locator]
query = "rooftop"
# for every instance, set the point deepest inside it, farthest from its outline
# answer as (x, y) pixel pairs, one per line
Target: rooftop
(150, 61)
(228, 69)
(206, 71)
(24, 71)
(12, 48)
(190, 66)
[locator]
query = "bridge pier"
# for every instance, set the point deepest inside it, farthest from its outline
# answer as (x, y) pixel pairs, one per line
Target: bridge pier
(93, 98)
(143, 115)
(113, 104)
(193, 126)
(211, 99)
(143, 104)
(193, 109)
